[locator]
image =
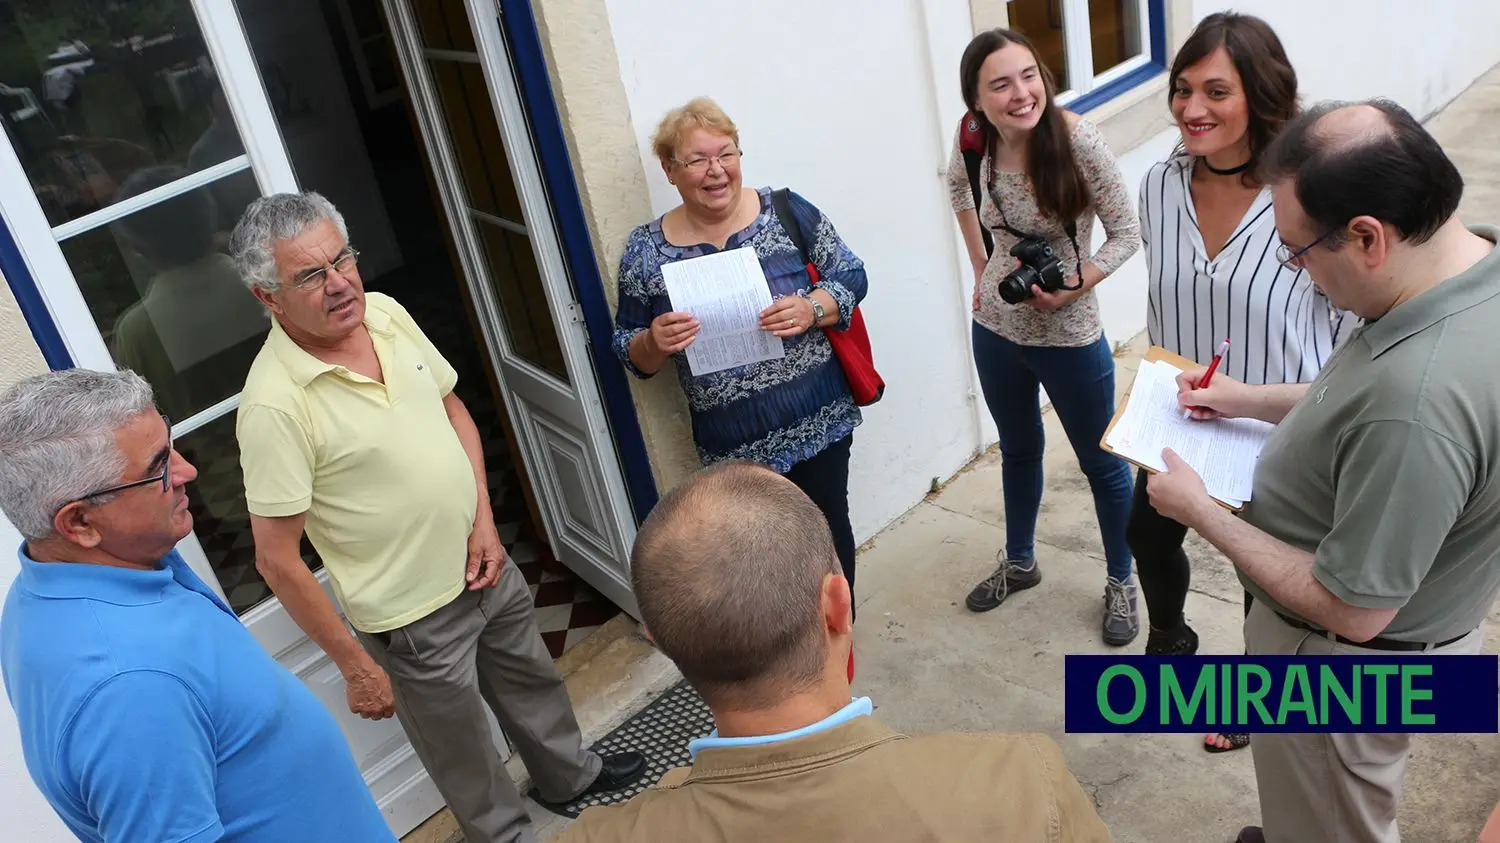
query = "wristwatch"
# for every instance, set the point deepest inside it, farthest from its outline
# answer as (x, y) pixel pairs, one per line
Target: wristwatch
(818, 312)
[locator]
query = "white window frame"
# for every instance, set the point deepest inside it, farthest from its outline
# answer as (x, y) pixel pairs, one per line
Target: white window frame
(1078, 47)
(40, 243)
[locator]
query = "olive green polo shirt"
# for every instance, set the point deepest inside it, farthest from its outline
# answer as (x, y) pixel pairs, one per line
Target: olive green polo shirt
(378, 468)
(1386, 470)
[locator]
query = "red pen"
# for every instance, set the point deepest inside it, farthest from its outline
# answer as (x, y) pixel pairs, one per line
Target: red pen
(1208, 375)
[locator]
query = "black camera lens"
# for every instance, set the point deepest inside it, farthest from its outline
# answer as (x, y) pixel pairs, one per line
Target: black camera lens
(1016, 287)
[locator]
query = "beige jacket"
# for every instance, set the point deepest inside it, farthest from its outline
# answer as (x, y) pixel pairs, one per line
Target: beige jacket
(861, 782)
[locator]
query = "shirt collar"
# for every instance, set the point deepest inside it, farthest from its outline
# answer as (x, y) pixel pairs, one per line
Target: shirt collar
(108, 584)
(861, 707)
(302, 366)
(1475, 285)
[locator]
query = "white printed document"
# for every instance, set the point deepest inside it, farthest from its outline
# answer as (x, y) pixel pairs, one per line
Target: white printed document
(1222, 451)
(725, 292)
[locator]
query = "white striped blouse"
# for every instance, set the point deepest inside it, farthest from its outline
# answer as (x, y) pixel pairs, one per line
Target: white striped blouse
(1280, 328)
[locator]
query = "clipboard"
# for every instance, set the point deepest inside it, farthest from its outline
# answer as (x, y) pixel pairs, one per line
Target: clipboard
(1153, 353)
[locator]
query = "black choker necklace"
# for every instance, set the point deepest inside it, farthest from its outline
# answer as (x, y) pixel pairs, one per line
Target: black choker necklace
(1229, 172)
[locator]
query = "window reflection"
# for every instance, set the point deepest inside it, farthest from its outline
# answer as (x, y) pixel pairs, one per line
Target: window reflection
(92, 92)
(167, 298)
(221, 519)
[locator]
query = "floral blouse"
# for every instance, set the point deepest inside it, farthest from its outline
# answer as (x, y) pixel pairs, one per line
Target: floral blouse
(775, 412)
(1076, 323)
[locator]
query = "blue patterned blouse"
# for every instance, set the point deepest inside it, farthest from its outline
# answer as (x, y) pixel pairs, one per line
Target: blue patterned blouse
(775, 412)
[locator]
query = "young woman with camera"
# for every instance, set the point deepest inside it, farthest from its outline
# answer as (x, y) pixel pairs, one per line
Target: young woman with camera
(1215, 270)
(1045, 175)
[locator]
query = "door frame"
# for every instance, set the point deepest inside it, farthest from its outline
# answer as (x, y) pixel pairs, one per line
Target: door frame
(602, 554)
(518, 24)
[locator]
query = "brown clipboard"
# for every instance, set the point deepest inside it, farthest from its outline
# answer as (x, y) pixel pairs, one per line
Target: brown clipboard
(1153, 353)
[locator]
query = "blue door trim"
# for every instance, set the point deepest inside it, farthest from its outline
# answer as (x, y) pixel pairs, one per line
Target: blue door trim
(519, 25)
(29, 300)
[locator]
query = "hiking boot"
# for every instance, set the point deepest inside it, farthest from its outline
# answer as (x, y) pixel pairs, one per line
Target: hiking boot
(1011, 575)
(1179, 641)
(1121, 622)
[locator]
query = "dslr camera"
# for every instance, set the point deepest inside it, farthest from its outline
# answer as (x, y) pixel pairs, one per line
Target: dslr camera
(1039, 266)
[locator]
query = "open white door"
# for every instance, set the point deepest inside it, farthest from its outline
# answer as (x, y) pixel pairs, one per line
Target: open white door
(457, 64)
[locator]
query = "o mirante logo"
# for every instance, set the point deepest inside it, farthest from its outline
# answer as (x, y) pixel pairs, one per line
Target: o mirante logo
(1282, 693)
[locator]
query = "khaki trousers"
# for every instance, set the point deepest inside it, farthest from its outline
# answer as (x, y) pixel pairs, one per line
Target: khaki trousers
(483, 649)
(1329, 788)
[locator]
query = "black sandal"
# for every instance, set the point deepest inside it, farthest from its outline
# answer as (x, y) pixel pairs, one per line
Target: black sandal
(1237, 740)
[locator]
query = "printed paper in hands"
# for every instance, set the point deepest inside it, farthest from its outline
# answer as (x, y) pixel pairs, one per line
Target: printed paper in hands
(1222, 451)
(725, 292)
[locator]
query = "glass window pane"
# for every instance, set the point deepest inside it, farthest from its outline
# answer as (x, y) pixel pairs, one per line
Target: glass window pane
(165, 295)
(220, 518)
(1042, 22)
(444, 25)
(470, 119)
(1114, 32)
(93, 92)
(523, 299)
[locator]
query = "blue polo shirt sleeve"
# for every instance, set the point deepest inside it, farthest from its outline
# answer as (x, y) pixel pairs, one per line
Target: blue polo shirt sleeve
(141, 754)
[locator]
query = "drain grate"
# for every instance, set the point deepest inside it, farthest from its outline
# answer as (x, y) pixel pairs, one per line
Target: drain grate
(661, 732)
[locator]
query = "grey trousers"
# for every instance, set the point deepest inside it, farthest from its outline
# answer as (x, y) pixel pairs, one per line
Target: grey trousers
(482, 649)
(1329, 788)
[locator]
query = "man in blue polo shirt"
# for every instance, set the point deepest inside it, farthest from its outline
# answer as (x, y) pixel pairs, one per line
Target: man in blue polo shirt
(147, 710)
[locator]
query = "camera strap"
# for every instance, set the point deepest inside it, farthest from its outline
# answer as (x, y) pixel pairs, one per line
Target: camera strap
(1071, 228)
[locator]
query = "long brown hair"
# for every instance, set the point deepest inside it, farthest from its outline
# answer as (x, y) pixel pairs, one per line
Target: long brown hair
(1267, 76)
(1061, 191)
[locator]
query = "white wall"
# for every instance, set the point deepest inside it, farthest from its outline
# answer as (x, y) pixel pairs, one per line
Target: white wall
(27, 816)
(1419, 54)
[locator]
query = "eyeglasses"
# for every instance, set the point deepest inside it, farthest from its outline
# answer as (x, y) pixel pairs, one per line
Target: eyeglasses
(314, 279)
(1289, 258)
(700, 164)
(165, 478)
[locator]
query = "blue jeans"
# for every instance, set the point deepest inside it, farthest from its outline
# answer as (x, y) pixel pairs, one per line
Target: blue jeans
(1081, 385)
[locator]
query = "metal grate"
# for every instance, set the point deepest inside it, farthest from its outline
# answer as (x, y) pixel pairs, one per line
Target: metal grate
(661, 732)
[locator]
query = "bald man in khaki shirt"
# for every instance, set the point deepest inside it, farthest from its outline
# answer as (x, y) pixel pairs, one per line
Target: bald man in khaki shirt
(794, 758)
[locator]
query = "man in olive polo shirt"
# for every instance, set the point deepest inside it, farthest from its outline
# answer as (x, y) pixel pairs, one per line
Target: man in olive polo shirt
(1374, 524)
(350, 430)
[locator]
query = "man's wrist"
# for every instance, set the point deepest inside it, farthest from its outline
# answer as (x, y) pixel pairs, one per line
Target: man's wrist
(354, 663)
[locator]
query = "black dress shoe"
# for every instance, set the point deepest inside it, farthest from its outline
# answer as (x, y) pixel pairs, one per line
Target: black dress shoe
(1251, 834)
(618, 771)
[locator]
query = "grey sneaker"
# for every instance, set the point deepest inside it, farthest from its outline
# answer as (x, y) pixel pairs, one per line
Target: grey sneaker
(1121, 623)
(1011, 575)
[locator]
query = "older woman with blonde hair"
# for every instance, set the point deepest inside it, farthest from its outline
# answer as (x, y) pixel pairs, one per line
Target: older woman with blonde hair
(794, 414)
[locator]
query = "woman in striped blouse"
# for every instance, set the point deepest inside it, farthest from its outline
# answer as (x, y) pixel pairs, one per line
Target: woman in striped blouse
(1213, 271)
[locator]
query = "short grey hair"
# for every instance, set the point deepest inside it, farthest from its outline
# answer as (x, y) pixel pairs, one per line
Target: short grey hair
(57, 441)
(269, 220)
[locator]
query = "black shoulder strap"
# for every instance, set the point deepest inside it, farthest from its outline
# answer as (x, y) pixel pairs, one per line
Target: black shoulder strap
(783, 206)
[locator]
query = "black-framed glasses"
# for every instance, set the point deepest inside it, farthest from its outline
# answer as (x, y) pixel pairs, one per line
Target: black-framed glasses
(165, 478)
(314, 279)
(1288, 257)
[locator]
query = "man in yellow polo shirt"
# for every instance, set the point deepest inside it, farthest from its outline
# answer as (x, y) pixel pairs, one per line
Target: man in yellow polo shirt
(350, 430)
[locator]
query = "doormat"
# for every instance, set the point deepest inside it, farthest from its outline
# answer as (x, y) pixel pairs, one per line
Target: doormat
(661, 732)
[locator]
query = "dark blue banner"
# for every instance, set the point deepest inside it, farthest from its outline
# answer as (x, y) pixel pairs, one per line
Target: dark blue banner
(1409, 693)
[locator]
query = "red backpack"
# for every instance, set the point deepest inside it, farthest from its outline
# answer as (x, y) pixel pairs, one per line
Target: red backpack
(971, 142)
